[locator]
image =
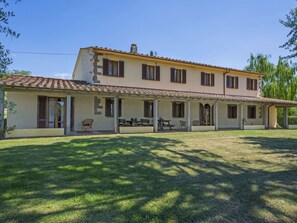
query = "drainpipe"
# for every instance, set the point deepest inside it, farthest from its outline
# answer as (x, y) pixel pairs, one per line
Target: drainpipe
(224, 80)
(268, 115)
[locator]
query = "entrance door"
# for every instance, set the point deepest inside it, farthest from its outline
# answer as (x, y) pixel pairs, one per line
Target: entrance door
(56, 112)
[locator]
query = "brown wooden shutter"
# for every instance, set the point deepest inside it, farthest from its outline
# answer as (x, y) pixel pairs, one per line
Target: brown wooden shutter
(144, 71)
(173, 109)
(121, 68)
(146, 108)
(212, 79)
(105, 66)
(42, 112)
(236, 82)
(108, 112)
(202, 78)
(157, 73)
(172, 75)
(256, 84)
(184, 80)
(182, 110)
(248, 84)
(120, 107)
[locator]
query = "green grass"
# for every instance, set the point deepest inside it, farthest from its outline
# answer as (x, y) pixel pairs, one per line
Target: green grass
(230, 176)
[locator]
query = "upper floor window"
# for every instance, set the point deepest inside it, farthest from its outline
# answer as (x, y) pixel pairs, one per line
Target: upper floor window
(207, 79)
(109, 107)
(148, 109)
(150, 72)
(178, 109)
(232, 82)
(251, 84)
(178, 75)
(232, 111)
(251, 111)
(113, 68)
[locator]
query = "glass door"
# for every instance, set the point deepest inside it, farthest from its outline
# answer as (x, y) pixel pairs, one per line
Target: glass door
(56, 112)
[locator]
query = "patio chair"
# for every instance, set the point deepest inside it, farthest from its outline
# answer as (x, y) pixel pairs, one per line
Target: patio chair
(122, 122)
(87, 124)
(144, 122)
(182, 124)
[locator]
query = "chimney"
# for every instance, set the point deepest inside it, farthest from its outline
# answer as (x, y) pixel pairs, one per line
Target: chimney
(133, 48)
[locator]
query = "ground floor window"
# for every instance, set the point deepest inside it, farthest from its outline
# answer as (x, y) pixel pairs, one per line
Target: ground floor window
(109, 107)
(51, 112)
(251, 111)
(178, 109)
(232, 111)
(148, 109)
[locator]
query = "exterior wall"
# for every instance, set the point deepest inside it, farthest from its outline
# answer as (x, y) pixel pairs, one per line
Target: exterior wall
(273, 117)
(18, 133)
(84, 66)
(133, 75)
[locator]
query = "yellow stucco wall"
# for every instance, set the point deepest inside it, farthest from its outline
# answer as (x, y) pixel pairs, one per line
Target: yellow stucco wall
(18, 133)
(272, 117)
(133, 76)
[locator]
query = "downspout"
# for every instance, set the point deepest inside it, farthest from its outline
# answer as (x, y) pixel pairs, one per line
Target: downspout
(224, 81)
(268, 115)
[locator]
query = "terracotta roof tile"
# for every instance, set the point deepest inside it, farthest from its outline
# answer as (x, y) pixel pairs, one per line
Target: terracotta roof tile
(31, 82)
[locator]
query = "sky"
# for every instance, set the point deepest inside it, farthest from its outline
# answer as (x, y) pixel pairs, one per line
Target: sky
(216, 32)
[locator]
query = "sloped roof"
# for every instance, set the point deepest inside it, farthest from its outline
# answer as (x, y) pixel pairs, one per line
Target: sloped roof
(224, 69)
(34, 82)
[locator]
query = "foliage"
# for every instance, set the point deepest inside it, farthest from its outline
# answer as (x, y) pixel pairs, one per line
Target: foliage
(291, 23)
(18, 72)
(5, 15)
(279, 81)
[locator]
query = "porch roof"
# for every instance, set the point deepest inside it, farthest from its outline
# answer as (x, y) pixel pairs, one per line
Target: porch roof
(45, 83)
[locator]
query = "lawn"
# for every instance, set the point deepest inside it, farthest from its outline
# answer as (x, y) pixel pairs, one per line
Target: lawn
(225, 176)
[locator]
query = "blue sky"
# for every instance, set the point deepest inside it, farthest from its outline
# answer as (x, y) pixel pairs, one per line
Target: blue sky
(216, 32)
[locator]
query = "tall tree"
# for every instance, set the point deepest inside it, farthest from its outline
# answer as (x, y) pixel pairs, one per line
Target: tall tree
(291, 23)
(279, 81)
(5, 15)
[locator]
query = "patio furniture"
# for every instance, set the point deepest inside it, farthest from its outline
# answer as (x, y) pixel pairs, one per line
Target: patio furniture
(182, 124)
(123, 122)
(87, 124)
(144, 122)
(196, 123)
(163, 123)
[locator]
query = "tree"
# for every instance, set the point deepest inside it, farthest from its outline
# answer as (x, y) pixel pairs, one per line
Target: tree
(19, 72)
(291, 23)
(5, 15)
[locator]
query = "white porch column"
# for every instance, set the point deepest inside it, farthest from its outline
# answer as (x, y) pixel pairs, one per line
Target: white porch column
(116, 114)
(1, 110)
(188, 115)
(68, 114)
(216, 116)
(156, 111)
(265, 116)
(286, 121)
(241, 116)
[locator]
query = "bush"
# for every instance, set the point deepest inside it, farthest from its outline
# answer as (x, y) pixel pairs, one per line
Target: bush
(292, 120)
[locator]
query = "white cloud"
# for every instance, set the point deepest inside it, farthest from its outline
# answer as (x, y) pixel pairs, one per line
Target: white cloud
(63, 75)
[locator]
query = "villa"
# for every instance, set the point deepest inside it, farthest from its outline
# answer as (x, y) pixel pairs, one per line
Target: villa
(129, 92)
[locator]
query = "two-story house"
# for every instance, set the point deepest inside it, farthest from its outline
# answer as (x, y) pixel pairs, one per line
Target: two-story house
(129, 92)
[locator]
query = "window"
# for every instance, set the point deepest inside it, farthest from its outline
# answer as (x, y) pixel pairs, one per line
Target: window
(51, 112)
(150, 72)
(251, 111)
(232, 111)
(148, 109)
(113, 68)
(178, 75)
(109, 107)
(251, 84)
(232, 82)
(178, 109)
(207, 79)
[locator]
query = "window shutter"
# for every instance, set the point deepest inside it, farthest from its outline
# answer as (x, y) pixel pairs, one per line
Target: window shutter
(121, 68)
(248, 82)
(256, 84)
(236, 82)
(105, 66)
(173, 109)
(157, 73)
(108, 112)
(182, 110)
(212, 79)
(144, 71)
(184, 76)
(41, 116)
(172, 74)
(120, 107)
(145, 113)
(202, 78)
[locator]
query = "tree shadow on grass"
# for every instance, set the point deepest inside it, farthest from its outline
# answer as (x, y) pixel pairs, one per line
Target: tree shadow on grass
(135, 179)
